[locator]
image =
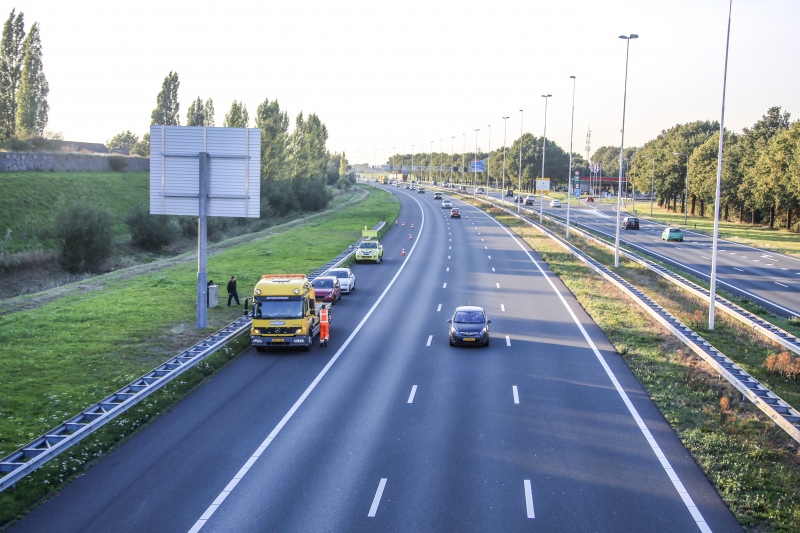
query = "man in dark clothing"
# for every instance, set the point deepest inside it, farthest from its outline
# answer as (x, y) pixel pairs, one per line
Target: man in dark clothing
(232, 294)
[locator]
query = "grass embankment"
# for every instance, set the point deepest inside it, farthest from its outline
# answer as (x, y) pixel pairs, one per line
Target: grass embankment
(66, 355)
(30, 199)
(754, 466)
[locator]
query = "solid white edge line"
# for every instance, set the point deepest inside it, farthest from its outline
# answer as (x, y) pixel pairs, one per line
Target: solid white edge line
(508, 339)
(529, 499)
(516, 393)
(277, 429)
(430, 338)
(377, 499)
(665, 464)
(413, 392)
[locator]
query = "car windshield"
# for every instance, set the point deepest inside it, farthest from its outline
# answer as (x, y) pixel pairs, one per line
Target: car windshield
(368, 245)
(323, 283)
(339, 273)
(469, 317)
(278, 308)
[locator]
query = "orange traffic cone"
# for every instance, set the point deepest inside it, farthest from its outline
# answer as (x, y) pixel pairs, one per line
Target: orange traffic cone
(412, 225)
(395, 222)
(404, 251)
(404, 223)
(410, 236)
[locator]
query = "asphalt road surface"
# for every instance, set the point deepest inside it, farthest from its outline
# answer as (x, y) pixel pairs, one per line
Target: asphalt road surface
(769, 279)
(391, 429)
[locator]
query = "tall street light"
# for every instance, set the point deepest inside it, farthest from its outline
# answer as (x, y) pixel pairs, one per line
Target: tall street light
(653, 182)
(628, 39)
(686, 193)
(452, 141)
(489, 162)
(394, 157)
(463, 155)
(569, 175)
(441, 151)
(430, 172)
(411, 172)
(521, 116)
(544, 147)
(503, 191)
(713, 299)
(475, 165)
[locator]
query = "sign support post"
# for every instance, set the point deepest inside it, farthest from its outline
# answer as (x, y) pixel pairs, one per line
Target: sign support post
(202, 231)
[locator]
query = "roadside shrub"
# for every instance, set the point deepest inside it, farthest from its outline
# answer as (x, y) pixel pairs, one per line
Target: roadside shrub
(117, 163)
(316, 195)
(151, 232)
(84, 235)
(280, 196)
(343, 183)
(783, 364)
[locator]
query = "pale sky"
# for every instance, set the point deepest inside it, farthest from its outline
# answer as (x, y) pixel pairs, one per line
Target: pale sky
(383, 75)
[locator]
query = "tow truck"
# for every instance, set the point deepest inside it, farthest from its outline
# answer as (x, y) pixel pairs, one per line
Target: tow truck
(285, 312)
(369, 249)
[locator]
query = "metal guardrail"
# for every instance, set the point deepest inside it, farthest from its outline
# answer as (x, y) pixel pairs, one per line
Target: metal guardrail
(36, 453)
(781, 413)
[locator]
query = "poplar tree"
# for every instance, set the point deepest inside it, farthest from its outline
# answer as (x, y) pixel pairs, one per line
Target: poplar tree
(237, 117)
(167, 106)
(208, 113)
(11, 56)
(32, 105)
(195, 116)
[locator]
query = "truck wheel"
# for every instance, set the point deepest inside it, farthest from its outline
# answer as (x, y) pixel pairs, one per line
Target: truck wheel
(378, 261)
(309, 340)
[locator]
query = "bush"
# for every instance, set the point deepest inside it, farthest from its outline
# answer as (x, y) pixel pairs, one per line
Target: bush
(117, 163)
(280, 196)
(151, 232)
(316, 195)
(344, 183)
(84, 235)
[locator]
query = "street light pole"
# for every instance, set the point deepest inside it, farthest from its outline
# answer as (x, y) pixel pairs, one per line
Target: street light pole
(652, 183)
(544, 155)
(521, 116)
(489, 163)
(569, 175)
(713, 299)
(441, 151)
(411, 172)
(503, 191)
(452, 141)
(622, 145)
(463, 155)
(475, 166)
(686, 184)
(430, 172)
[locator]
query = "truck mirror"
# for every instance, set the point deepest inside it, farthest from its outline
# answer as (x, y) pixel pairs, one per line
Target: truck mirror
(246, 301)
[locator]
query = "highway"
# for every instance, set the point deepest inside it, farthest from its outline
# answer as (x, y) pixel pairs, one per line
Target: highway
(391, 429)
(771, 280)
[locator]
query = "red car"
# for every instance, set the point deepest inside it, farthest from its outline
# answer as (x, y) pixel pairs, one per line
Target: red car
(327, 289)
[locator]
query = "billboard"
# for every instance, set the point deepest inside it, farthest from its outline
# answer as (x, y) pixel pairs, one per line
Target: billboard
(233, 183)
(540, 186)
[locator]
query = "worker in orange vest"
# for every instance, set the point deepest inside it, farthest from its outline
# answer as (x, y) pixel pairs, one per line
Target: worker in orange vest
(323, 327)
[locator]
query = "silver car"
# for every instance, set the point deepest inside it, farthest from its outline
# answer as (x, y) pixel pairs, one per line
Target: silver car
(447, 204)
(347, 280)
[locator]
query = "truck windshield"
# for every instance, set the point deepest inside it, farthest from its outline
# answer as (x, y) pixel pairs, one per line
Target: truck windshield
(279, 309)
(369, 245)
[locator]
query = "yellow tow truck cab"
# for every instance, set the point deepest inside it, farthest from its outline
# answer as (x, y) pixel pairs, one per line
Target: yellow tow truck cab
(285, 312)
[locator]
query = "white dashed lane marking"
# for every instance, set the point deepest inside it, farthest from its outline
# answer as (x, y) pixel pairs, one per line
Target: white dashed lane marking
(413, 392)
(508, 340)
(377, 499)
(439, 308)
(516, 394)
(739, 269)
(781, 284)
(430, 338)
(503, 308)
(498, 285)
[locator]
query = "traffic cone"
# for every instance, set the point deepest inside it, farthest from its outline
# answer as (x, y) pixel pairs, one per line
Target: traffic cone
(410, 236)
(404, 251)
(404, 223)
(412, 225)
(395, 222)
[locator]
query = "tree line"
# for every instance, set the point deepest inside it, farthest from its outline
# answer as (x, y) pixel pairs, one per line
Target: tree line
(23, 85)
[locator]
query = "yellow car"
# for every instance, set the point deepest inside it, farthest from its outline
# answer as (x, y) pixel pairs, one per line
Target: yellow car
(369, 249)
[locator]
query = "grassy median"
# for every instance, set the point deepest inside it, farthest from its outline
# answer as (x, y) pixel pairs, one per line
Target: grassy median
(66, 355)
(754, 466)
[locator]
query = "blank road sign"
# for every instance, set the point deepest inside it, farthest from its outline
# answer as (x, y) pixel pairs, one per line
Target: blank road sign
(233, 186)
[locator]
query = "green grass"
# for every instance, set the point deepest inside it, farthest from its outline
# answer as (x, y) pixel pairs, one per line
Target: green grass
(753, 466)
(30, 200)
(78, 348)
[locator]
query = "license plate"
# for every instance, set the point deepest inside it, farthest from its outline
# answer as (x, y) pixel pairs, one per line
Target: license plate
(277, 340)
(469, 338)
